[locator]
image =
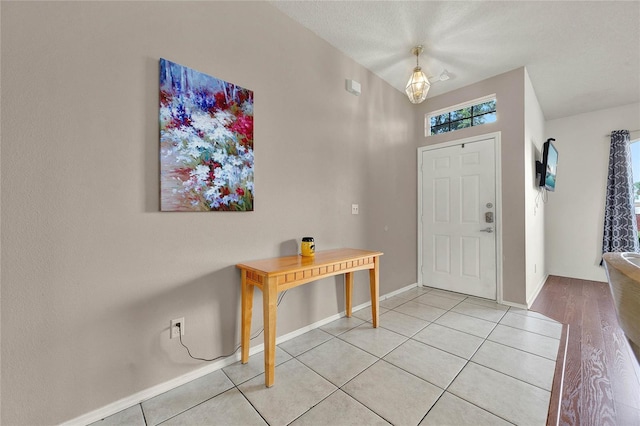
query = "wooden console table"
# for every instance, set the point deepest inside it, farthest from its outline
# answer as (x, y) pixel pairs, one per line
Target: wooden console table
(272, 276)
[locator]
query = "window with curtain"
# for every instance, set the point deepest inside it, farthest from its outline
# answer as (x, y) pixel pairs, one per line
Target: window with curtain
(635, 167)
(620, 226)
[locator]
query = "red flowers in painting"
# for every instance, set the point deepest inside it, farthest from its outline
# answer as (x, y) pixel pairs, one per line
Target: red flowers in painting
(243, 126)
(221, 101)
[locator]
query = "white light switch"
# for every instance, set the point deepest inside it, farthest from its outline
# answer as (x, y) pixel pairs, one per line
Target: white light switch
(354, 209)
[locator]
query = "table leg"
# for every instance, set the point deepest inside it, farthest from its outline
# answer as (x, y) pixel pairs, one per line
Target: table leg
(269, 302)
(247, 312)
(374, 275)
(348, 286)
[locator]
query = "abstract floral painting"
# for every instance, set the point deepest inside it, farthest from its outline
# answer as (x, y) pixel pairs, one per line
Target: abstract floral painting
(206, 142)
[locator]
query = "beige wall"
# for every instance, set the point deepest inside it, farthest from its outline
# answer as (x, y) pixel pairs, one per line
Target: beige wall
(575, 211)
(92, 273)
(509, 90)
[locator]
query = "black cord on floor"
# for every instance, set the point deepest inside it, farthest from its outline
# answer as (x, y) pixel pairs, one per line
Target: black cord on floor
(280, 297)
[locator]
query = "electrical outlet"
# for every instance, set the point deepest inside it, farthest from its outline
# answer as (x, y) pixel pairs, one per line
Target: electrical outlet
(354, 209)
(175, 329)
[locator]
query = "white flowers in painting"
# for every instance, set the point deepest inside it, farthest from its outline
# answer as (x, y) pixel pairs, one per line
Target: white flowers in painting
(200, 175)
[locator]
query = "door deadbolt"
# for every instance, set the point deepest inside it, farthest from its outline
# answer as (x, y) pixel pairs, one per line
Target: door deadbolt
(488, 217)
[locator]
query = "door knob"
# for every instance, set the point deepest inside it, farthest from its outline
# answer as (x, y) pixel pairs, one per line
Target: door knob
(489, 230)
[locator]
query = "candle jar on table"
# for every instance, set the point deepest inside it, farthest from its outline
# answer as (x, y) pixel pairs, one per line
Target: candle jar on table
(308, 247)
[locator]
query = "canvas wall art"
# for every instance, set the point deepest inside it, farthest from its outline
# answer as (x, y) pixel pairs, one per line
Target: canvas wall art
(206, 142)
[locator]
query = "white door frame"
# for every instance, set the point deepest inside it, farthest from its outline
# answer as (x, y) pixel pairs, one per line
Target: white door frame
(498, 221)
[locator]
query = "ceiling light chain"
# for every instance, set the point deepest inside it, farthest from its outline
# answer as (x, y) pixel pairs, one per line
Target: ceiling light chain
(418, 85)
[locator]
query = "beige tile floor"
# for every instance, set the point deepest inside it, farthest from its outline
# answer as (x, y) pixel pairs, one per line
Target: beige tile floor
(438, 358)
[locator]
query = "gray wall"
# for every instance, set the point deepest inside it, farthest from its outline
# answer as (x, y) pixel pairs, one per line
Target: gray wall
(92, 273)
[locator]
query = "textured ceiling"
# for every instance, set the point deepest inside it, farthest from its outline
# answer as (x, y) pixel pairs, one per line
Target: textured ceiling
(581, 56)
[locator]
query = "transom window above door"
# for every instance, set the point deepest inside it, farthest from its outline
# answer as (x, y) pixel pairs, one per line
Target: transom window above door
(468, 114)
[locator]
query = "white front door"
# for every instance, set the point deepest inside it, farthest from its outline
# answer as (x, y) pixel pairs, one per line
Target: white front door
(458, 216)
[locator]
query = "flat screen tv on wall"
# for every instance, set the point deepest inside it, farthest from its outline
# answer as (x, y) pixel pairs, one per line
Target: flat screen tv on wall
(547, 169)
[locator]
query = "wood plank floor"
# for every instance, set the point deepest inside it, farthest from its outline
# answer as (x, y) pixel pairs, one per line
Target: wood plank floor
(602, 377)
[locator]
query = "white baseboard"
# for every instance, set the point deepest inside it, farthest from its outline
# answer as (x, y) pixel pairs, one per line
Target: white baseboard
(396, 292)
(154, 391)
(515, 305)
(537, 291)
(137, 398)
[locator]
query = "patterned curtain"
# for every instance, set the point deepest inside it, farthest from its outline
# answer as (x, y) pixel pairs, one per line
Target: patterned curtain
(620, 227)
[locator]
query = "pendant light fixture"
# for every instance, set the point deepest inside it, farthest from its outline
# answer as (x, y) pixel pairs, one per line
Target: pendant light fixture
(418, 85)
